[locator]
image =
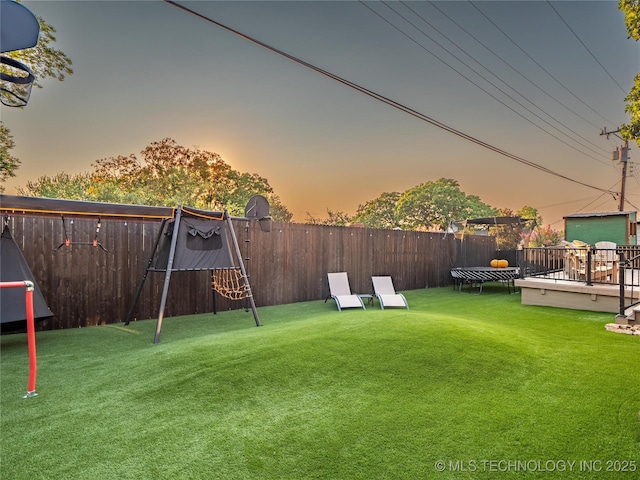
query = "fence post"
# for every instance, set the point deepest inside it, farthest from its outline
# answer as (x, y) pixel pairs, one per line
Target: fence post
(621, 278)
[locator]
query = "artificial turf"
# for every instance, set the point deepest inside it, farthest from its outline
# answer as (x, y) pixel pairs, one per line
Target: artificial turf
(460, 386)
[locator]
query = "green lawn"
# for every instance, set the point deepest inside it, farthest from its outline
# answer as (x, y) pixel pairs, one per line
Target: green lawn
(489, 387)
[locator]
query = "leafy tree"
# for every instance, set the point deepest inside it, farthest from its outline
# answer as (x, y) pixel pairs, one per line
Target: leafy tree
(530, 233)
(336, 218)
(530, 213)
(508, 236)
(532, 220)
(631, 131)
(545, 237)
(631, 10)
(435, 204)
(61, 185)
(169, 174)
(8, 163)
(381, 212)
(45, 62)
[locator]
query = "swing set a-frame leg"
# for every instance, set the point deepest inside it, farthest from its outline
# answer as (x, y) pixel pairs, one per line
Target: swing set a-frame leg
(167, 275)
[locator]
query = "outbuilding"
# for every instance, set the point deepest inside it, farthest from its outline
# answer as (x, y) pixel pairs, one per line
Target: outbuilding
(618, 227)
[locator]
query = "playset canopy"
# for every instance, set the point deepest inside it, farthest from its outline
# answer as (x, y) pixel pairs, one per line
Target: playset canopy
(14, 268)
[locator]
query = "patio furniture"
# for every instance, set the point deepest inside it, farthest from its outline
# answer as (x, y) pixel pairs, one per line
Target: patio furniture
(386, 293)
(341, 292)
(605, 266)
(575, 260)
(602, 264)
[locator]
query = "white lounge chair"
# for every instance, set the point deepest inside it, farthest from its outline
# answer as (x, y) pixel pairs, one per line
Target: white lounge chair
(605, 266)
(341, 292)
(386, 293)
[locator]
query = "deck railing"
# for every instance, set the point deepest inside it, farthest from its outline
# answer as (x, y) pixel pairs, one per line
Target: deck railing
(587, 265)
(577, 264)
(629, 277)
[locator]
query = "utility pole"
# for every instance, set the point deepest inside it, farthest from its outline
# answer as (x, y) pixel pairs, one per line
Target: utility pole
(624, 158)
(621, 154)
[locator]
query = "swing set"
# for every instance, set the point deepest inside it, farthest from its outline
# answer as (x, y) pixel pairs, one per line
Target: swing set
(188, 240)
(196, 240)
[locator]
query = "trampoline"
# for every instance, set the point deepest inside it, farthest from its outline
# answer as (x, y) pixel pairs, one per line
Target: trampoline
(477, 276)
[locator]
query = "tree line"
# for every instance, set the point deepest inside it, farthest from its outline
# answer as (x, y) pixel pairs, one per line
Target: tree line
(169, 174)
(166, 174)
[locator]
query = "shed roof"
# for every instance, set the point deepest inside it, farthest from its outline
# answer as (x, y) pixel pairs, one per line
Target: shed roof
(600, 214)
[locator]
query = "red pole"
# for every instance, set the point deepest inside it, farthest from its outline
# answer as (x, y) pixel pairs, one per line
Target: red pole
(22, 283)
(31, 332)
(31, 341)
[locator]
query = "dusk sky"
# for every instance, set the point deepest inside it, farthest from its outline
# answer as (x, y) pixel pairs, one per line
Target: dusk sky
(535, 79)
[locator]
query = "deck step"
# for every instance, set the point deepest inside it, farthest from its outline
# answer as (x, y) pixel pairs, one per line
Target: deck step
(631, 316)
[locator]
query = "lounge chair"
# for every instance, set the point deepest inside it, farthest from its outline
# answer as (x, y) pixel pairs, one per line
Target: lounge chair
(341, 292)
(386, 293)
(575, 259)
(605, 266)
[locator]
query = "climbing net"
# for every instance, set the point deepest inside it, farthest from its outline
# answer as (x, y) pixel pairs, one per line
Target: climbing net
(230, 283)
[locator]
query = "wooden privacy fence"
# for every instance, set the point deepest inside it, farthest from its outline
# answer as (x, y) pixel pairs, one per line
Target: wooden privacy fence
(93, 285)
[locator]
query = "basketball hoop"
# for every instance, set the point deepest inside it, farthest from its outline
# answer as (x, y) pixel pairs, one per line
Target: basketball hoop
(258, 209)
(16, 80)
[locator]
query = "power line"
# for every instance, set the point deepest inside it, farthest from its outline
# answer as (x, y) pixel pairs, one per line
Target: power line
(598, 205)
(591, 200)
(524, 77)
(626, 200)
(386, 100)
(473, 4)
(586, 48)
(489, 81)
(567, 202)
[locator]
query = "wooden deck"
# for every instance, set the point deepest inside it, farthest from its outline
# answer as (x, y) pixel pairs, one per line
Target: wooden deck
(582, 278)
(554, 292)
